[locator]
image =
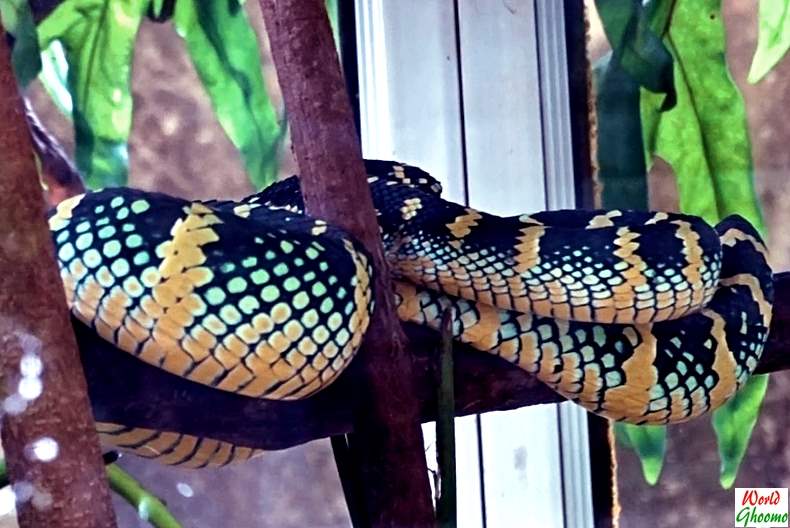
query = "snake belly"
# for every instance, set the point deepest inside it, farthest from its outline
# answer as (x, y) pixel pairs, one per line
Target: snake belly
(640, 317)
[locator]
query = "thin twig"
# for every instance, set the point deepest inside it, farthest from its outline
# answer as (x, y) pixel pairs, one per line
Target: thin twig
(148, 506)
(447, 505)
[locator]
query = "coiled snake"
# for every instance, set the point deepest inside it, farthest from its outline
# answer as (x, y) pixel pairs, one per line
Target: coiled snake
(649, 318)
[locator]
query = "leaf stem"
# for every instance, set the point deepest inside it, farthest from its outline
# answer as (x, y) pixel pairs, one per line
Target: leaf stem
(148, 506)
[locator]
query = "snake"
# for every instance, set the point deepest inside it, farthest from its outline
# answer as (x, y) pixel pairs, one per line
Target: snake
(641, 317)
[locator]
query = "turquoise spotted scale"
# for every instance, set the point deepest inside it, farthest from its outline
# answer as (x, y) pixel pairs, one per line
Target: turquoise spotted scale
(256, 306)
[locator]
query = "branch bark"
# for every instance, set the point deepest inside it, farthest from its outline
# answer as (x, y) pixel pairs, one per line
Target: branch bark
(126, 390)
(37, 345)
(387, 441)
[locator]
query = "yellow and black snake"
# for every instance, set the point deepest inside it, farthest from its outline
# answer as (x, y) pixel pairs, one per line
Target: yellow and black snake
(649, 318)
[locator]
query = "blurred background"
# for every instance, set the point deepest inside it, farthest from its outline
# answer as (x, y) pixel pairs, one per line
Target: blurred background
(178, 147)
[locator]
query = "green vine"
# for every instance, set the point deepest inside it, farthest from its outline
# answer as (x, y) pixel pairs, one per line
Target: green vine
(148, 506)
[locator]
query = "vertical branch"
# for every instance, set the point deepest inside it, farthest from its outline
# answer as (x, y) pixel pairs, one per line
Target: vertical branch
(52, 449)
(447, 505)
(388, 439)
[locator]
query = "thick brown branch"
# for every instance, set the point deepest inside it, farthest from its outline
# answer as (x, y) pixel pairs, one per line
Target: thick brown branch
(125, 390)
(388, 440)
(69, 490)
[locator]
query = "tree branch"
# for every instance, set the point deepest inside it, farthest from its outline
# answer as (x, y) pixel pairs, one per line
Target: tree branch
(387, 442)
(38, 350)
(126, 390)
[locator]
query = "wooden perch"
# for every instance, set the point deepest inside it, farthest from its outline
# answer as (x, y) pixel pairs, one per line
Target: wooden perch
(126, 390)
(43, 390)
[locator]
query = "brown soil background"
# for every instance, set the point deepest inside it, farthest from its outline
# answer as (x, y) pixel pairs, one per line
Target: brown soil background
(178, 147)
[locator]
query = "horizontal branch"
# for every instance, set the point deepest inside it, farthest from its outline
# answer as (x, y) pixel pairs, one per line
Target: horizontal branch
(126, 390)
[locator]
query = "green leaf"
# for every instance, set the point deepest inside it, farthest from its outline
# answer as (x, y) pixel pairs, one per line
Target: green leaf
(639, 59)
(149, 507)
(98, 40)
(156, 7)
(621, 165)
(773, 39)
(705, 136)
(54, 77)
(621, 435)
(636, 46)
(332, 11)
(649, 442)
(706, 140)
(224, 50)
(18, 21)
(734, 423)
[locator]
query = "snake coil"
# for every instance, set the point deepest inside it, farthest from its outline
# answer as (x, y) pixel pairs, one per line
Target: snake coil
(649, 318)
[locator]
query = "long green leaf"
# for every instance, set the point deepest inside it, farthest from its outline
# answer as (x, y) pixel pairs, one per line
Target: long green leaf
(705, 136)
(54, 77)
(734, 423)
(334, 23)
(621, 165)
(149, 507)
(650, 444)
(98, 40)
(638, 58)
(773, 39)
(633, 30)
(706, 140)
(18, 21)
(224, 50)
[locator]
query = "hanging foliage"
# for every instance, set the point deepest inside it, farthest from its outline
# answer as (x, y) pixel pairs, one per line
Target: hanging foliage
(18, 22)
(773, 39)
(86, 67)
(714, 170)
(224, 50)
(638, 59)
(98, 42)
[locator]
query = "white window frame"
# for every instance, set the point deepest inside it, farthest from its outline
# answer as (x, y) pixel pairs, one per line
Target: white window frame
(476, 93)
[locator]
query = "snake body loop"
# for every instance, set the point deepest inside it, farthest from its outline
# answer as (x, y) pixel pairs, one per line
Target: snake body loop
(642, 317)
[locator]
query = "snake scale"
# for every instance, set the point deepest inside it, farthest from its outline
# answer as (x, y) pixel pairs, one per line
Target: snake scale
(649, 318)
